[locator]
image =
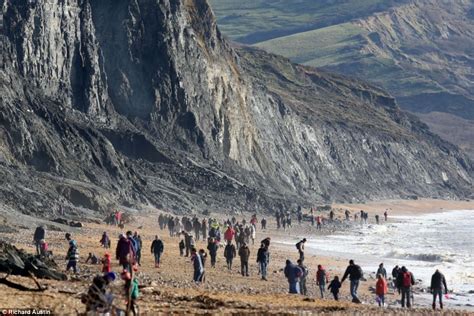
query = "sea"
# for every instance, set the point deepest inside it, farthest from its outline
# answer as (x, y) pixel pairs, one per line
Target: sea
(423, 243)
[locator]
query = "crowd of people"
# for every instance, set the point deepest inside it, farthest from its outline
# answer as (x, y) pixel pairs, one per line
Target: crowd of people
(232, 238)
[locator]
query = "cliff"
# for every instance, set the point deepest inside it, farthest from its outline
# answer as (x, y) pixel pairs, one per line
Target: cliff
(142, 102)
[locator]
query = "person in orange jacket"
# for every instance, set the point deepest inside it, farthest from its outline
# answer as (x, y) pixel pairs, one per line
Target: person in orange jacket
(381, 289)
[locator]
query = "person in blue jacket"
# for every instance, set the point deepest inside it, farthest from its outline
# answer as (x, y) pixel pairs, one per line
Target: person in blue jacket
(293, 274)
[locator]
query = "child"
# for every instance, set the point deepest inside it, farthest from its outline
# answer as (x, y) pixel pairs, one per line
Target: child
(181, 247)
(381, 289)
(203, 256)
(92, 258)
(334, 286)
(43, 248)
(131, 291)
(106, 263)
(72, 255)
(105, 240)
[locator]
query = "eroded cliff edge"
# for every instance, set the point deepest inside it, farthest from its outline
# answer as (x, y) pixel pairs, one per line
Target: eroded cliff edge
(144, 102)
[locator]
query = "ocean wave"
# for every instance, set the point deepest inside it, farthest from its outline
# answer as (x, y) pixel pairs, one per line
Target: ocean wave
(428, 257)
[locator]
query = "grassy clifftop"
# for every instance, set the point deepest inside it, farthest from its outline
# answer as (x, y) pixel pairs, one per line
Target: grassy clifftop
(421, 51)
(252, 21)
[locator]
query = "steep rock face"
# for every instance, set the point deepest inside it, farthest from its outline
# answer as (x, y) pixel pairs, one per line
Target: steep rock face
(143, 102)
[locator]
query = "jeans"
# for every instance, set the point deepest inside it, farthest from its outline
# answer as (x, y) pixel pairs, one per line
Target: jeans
(294, 287)
(322, 289)
(301, 255)
(244, 267)
(354, 286)
(197, 276)
(157, 257)
(139, 256)
(213, 260)
(263, 269)
(381, 300)
(406, 295)
(303, 289)
(229, 263)
(439, 293)
(336, 295)
(72, 264)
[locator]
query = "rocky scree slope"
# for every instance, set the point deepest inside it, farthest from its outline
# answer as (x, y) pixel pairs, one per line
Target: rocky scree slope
(142, 102)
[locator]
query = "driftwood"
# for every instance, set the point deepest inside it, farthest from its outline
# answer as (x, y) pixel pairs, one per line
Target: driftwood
(22, 287)
(18, 262)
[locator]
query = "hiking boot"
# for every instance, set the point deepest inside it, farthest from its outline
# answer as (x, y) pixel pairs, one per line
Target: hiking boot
(441, 305)
(434, 306)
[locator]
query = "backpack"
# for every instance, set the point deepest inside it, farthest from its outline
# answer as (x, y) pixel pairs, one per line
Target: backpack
(298, 245)
(406, 279)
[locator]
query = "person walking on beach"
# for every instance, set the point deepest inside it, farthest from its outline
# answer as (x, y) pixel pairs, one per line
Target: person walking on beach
(334, 287)
(229, 253)
(171, 226)
(300, 247)
(438, 282)
(395, 272)
(106, 262)
(264, 223)
(212, 247)
(187, 242)
(229, 234)
(385, 215)
(105, 241)
(322, 278)
(405, 280)
(381, 289)
(293, 274)
(354, 272)
(381, 270)
(138, 251)
(157, 248)
(40, 234)
(72, 255)
(203, 256)
(263, 257)
(244, 254)
(377, 219)
(198, 267)
(303, 278)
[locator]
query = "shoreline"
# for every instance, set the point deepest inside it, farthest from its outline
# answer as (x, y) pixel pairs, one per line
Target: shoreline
(408, 207)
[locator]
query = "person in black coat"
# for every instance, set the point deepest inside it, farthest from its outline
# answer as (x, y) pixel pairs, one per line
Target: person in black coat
(229, 253)
(212, 246)
(438, 282)
(157, 248)
(40, 234)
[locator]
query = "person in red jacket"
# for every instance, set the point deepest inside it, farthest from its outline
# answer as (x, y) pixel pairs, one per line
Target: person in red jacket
(106, 263)
(381, 289)
(229, 234)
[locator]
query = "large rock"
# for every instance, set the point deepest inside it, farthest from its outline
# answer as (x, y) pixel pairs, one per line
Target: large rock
(144, 102)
